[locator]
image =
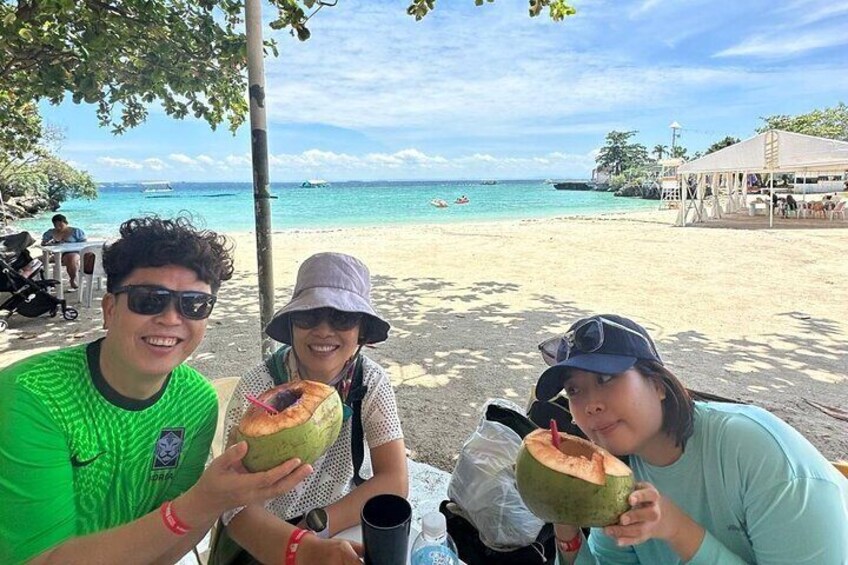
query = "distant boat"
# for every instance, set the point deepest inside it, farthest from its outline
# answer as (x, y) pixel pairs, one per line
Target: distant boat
(156, 186)
(488, 182)
(314, 183)
(574, 185)
(439, 203)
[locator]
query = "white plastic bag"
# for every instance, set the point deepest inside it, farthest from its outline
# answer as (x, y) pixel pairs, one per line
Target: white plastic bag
(483, 484)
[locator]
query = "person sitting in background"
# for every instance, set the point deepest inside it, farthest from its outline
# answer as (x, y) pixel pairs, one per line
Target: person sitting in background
(717, 482)
(828, 203)
(791, 205)
(64, 233)
(324, 326)
(103, 445)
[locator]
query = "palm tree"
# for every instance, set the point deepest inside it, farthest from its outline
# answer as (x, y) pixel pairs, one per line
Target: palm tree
(659, 151)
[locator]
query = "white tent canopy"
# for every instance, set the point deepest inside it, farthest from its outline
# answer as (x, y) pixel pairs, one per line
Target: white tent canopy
(772, 152)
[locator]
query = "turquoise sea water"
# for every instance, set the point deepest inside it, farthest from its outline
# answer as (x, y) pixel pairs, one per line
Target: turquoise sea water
(228, 207)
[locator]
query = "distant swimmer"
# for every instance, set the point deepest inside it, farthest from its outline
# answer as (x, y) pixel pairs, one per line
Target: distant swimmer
(462, 200)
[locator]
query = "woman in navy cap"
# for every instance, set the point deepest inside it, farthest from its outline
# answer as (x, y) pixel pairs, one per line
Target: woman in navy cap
(717, 482)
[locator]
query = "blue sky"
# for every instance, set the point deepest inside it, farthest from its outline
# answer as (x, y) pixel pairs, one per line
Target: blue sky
(488, 92)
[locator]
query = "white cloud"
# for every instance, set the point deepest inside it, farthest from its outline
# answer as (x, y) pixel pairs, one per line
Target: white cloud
(414, 162)
(645, 6)
(206, 160)
(782, 45)
(156, 164)
(182, 159)
(803, 12)
(118, 163)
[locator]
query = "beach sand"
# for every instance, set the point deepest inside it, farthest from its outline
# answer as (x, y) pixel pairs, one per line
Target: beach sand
(755, 315)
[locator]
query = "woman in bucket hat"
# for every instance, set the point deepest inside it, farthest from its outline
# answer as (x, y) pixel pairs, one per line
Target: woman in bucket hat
(324, 326)
(717, 482)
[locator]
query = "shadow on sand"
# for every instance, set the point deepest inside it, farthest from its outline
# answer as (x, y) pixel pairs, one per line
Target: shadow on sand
(453, 346)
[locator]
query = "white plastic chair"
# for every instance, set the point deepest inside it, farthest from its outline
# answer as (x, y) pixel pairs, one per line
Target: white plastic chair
(87, 279)
(224, 386)
(838, 211)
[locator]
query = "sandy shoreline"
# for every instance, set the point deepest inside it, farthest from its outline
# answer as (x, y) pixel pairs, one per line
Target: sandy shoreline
(753, 315)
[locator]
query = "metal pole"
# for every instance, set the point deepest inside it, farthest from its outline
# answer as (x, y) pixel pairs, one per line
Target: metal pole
(771, 200)
(259, 152)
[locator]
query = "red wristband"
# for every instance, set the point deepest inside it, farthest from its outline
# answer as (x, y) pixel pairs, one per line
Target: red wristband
(571, 545)
(171, 521)
(294, 544)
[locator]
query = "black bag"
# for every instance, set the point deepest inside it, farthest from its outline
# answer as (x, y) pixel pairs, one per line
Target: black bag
(471, 548)
(223, 550)
(474, 552)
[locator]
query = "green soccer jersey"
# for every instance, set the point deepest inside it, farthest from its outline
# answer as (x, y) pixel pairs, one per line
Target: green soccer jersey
(76, 457)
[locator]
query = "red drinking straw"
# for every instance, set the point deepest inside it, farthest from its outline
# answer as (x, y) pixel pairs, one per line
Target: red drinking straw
(256, 402)
(554, 433)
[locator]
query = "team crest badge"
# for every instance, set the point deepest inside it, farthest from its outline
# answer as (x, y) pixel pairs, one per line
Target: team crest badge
(168, 448)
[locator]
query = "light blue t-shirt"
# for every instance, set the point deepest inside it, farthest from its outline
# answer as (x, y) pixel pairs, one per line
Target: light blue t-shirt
(76, 235)
(761, 491)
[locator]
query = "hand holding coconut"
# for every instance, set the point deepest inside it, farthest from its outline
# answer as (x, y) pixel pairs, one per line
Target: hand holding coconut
(227, 484)
(718, 482)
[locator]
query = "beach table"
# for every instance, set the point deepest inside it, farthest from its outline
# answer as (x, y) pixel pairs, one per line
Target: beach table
(56, 251)
(428, 486)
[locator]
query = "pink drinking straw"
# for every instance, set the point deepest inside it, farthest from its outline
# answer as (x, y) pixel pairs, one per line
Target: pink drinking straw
(256, 402)
(554, 433)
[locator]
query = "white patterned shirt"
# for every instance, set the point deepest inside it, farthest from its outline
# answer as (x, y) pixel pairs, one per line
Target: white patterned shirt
(332, 477)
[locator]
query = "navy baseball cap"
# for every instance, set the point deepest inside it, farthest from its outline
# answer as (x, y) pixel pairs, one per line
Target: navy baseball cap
(605, 344)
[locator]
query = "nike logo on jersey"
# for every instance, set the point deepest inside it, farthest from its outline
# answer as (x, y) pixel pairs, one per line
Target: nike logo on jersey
(77, 462)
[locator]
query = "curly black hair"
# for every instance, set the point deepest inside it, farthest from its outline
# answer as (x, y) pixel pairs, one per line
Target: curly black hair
(157, 242)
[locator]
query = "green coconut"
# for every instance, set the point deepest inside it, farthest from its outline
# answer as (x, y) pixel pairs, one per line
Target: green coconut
(307, 423)
(578, 483)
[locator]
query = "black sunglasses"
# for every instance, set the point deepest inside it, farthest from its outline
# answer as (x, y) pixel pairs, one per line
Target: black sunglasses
(339, 320)
(149, 300)
(587, 337)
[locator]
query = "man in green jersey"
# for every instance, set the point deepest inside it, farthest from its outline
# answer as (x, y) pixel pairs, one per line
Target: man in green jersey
(103, 446)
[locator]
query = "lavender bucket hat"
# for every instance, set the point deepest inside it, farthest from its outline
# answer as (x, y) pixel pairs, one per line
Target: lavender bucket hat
(331, 280)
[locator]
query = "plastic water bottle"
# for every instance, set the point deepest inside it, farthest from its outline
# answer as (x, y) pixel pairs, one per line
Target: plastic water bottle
(434, 546)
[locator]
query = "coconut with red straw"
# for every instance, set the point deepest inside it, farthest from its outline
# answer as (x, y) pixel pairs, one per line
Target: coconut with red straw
(565, 479)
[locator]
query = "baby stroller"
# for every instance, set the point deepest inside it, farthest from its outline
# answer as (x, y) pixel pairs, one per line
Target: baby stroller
(27, 296)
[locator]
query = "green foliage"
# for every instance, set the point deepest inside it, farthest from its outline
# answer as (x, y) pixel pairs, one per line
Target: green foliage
(659, 151)
(726, 142)
(63, 181)
(679, 152)
(26, 181)
(121, 56)
(619, 155)
(39, 172)
(20, 126)
(617, 181)
(829, 122)
(558, 10)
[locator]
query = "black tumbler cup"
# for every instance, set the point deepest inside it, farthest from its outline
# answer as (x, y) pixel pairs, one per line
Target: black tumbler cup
(385, 529)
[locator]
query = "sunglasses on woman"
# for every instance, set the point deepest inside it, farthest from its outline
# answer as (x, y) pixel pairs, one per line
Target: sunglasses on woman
(337, 319)
(587, 337)
(150, 300)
